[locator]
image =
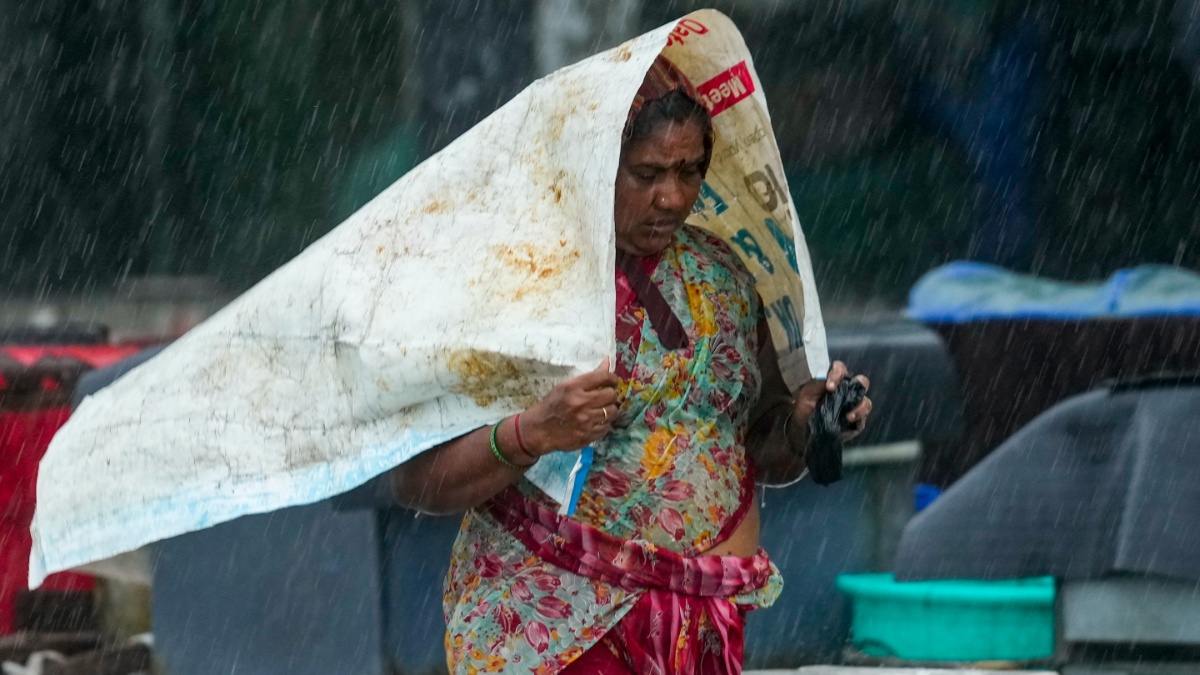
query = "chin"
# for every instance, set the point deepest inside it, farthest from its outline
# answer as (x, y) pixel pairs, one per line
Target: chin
(653, 247)
(655, 243)
(648, 243)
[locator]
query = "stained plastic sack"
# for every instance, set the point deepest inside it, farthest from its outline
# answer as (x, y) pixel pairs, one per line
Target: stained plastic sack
(459, 295)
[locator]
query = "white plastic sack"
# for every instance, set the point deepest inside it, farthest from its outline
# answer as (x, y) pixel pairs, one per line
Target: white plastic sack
(458, 296)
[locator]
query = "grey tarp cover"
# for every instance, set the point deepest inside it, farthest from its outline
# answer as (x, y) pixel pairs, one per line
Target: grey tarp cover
(1106, 482)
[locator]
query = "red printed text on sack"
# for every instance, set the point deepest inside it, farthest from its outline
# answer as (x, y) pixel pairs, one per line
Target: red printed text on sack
(684, 29)
(723, 91)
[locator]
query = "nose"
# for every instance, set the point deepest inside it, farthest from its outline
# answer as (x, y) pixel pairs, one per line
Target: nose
(671, 195)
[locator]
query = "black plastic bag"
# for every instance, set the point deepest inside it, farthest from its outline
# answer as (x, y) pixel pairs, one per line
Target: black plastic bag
(825, 429)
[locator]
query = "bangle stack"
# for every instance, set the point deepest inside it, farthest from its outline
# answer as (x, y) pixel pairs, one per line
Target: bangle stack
(496, 448)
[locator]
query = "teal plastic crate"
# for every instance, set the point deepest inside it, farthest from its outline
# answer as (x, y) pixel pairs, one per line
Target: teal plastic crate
(1010, 620)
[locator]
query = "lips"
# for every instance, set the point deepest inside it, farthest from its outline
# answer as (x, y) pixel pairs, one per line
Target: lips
(662, 226)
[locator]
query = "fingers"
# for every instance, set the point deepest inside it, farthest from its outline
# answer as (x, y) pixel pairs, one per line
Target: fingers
(603, 418)
(837, 371)
(597, 398)
(595, 389)
(576, 412)
(591, 424)
(860, 412)
(603, 414)
(572, 397)
(600, 378)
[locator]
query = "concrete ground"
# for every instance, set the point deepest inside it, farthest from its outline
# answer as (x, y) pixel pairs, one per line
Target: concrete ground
(861, 670)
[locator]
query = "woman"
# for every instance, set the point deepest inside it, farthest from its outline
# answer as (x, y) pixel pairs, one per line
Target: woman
(655, 570)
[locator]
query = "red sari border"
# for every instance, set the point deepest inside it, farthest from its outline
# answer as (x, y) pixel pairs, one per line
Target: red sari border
(630, 564)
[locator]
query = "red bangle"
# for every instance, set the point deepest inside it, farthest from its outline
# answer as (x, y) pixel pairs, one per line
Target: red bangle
(520, 443)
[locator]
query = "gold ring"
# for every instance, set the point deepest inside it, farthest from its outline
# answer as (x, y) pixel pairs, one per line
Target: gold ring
(605, 411)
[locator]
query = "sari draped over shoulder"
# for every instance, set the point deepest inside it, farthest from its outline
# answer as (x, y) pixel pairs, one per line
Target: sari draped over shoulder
(531, 591)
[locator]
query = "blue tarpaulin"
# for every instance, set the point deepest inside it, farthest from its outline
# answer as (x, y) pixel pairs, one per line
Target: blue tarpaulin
(965, 291)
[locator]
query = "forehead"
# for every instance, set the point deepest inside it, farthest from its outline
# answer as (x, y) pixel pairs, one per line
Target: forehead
(670, 143)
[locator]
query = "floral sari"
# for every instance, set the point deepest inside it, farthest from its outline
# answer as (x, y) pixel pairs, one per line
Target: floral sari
(529, 591)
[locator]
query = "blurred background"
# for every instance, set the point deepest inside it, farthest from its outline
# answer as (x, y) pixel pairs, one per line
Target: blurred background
(159, 157)
(176, 151)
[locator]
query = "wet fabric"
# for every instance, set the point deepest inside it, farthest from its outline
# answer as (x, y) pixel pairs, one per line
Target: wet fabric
(529, 586)
(683, 621)
(670, 634)
(460, 295)
(632, 565)
(662, 78)
(666, 324)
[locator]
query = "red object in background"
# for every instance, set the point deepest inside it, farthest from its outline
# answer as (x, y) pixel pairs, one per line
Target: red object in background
(35, 388)
(93, 356)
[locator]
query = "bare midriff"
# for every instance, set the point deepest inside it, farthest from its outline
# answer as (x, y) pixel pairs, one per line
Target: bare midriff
(744, 540)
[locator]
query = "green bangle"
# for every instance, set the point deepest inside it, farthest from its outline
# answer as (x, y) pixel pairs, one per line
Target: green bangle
(500, 456)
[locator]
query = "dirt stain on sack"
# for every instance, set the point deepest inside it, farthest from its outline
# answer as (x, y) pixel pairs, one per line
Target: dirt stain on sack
(435, 206)
(623, 53)
(216, 373)
(488, 377)
(558, 122)
(304, 454)
(558, 184)
(565, 108)
(539, 265)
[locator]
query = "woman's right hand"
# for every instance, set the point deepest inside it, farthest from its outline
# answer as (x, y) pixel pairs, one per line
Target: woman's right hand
(573, 415)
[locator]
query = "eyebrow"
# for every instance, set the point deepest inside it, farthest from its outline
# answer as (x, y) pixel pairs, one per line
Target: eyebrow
(666, 167)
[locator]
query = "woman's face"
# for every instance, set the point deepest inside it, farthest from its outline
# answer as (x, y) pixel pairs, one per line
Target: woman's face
(658, 182)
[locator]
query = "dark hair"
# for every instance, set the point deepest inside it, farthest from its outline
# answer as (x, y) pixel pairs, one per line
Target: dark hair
(675, 107)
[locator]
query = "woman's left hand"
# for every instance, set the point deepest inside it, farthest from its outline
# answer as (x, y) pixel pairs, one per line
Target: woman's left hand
(810, 395)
